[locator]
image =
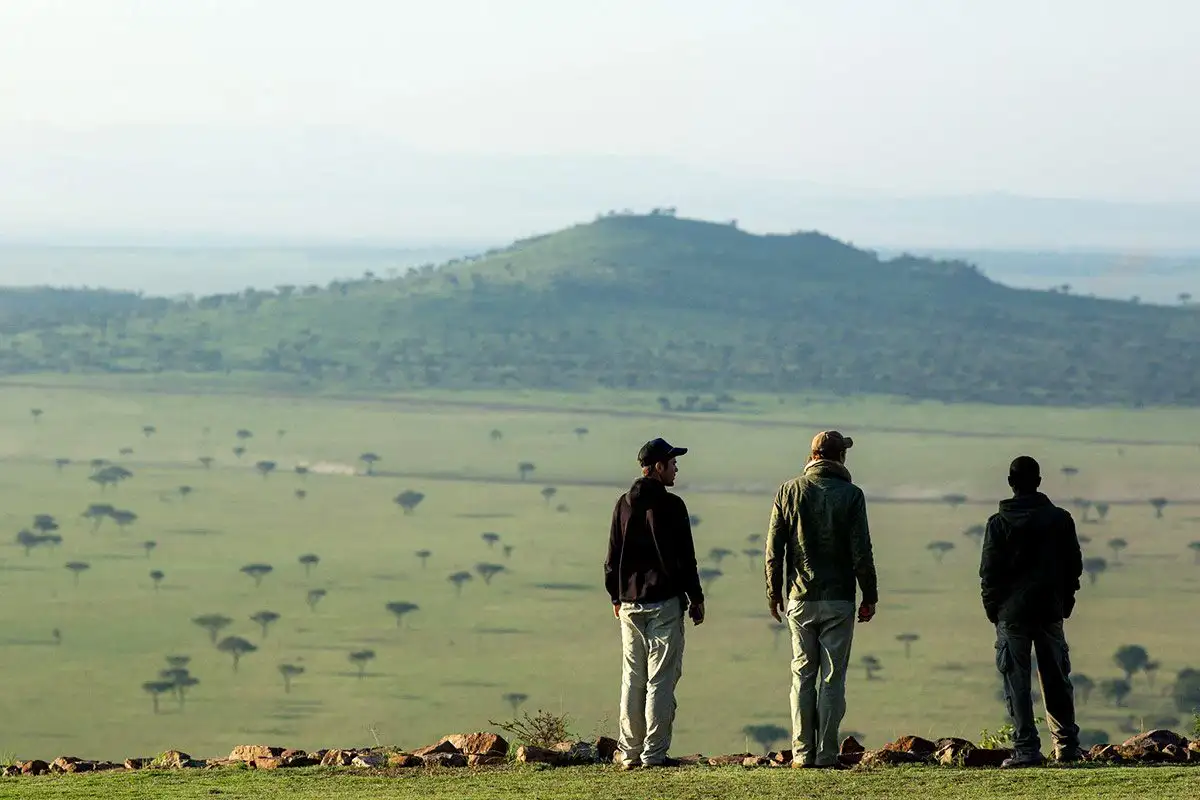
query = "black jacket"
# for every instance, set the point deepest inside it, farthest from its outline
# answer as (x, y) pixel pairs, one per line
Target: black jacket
(1031, 562)
(651, 556)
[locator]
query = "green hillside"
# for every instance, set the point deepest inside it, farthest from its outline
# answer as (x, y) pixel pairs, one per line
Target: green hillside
(659, 303)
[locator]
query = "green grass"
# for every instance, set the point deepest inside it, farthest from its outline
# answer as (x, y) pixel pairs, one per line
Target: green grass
(448, 668)
(686, 784)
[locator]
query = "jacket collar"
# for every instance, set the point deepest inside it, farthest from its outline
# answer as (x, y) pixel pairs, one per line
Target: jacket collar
(826, 468)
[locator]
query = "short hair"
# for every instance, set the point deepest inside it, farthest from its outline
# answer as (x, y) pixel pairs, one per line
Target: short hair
(1024, 471)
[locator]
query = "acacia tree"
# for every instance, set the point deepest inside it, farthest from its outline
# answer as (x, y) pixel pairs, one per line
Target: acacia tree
(59, 463)
(77, 568)
(239, 451)
(264, 619)
(708, 576)
(149, 430)
(289, 671)
(976, 533)
(525, 469)
(244, 435)
(111, 475)
(1069, 472)
(1195, 548)
(954, 500)
(300, 494)
(490, 538)
(1158, 503)
(1094, 566)
(400, 610)
(871, 665)
(1116, 690)
(581, 432)
(719, 554)
(149, 546)
(1101, 510)
(309, 560)
(1117, 545)
(184, 491)
(370, 460)
(765, 735)
(508, 551)
(360, 659)
(313, 597)
(516, 700)
(206, 461)
(257, 572)
(28, 540)
(44, 524)
(1083, 686)
(496, 435)
(488, 571)
(939, 550)
(694, 520)
(1151, 668)
(213, 623)
(237, 647)
(1186, 691)
(265, 468)
(423, 557)
(408, 500)
(157, 689)
(752, 555)
(36, 413)
(301, 470)
(548, 494)
(123, 518)
(458, 579)
(907, 640)
(1131, 658)
(157, 575)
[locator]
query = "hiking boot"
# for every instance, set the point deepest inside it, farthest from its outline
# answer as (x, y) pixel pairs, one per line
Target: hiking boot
(1071, 756)
(625, 766)
(666, 762)
(1021, 761)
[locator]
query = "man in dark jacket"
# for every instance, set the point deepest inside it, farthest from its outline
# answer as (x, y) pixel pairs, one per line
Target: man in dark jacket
(651, 576)
(1029, 574)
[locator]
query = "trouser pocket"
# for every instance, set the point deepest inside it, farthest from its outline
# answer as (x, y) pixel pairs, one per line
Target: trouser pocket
(1004, 661)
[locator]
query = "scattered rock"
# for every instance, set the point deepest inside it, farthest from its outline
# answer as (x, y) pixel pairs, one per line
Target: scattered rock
(221, 763)
(756, 761)
(1103, 752)
(137, 763)
(1156, 740)
(691, 760)
(12, 771)
(337, 758)
(782, 757)
(607, 749)
(731, 760)
(888, 758)
(445, 760)
(253, 752)
(952, 751)
(266, 763)
(851, 745)
(538, 755)
(298, 758)
(851, 759)
(476, 760)
(71, 764)
(444, 746)
(577, 752)
(1175, 753)
(368, 761)
(404, 760)
(106, 766)
(175, 759)
(481, 744)
(982, 757)
(914, 745)
(35, 767)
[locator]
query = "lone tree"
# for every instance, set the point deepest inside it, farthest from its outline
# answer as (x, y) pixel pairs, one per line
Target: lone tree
(708, 576)
(548, 494)
(44, 523)
(157, 575)
(975, 533)
(458, 579)
(408, 500)
(239, 451)
(1083, 686)
(178, 662)
(184, 491)
(157, 689)
(1158, 503)
(237, 647)
(1151, 669)
(257, 572)
(181, 681)
(289, 671)
(28, 540)
(525, 469)
(59, 463)
(871, 665)
(214, 624)
(516, 700)
(265, 468)
(400, 610)
(719, 554)
(907, 640)
(149, 430)
(360, 659)
(370, 460)
(752, 554)
(765, 735)
(1117, 545)
(301, 470)
(1195, 548)
(77, 568)
(1069, 472)
(123, 518)
(126, 451)
(508, 551)
(1101, 510)
(111, 475)
(36, 413)
(581, 432)
(206, 461)
(1094, 566)
(264, 619)
(939, 550)
(1186, 691)
(309, 560)
(1116, 690)
(300, 494)
(423, 557)
(488, 571)
(694, 520)
(954, 500)
(313, 597)
(1131, 658)
(244, 435)
(491, 538)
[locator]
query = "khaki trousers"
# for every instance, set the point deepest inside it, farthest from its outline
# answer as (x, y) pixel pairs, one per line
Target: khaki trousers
(651, 665)
(822, 632)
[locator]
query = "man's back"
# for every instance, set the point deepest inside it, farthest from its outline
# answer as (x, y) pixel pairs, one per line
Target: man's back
(819, 541)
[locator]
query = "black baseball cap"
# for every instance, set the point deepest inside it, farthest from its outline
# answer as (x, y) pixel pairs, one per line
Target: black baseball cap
(657, 451)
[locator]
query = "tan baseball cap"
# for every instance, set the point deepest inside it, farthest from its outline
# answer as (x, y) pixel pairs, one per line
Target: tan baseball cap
(831, 442)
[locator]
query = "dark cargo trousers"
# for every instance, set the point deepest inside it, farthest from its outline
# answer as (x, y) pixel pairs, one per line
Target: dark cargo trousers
(1014, 643)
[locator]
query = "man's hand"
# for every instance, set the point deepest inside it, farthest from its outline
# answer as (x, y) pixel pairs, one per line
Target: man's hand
(616, 610)
(696, 612)
(776, 605)
(866, 612)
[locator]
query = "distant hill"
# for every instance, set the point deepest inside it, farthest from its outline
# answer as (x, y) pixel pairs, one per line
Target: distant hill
(660, 303)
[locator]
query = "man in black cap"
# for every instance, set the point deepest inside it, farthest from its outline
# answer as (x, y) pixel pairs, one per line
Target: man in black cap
(651, 576)
(1029, 574)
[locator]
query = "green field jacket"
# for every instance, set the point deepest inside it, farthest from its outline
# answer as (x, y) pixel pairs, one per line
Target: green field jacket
(818, 542)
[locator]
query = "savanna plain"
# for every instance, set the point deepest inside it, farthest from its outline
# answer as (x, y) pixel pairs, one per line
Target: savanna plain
(435, 566)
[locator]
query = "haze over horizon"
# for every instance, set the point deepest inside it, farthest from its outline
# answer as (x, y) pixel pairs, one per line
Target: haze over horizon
(916, 125)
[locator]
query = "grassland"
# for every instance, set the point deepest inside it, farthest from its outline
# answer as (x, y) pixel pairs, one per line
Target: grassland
(543, 627)
(687, 784)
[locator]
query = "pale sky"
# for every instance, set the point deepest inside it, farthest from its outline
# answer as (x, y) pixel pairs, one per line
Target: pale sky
(1053, 98)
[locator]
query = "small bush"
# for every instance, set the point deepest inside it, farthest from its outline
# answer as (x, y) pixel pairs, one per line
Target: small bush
(541, 730)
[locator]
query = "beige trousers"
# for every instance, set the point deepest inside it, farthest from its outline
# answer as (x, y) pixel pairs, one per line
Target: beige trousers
(651, 665)
(822, 632)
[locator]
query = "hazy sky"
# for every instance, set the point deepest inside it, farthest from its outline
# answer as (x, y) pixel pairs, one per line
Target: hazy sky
(1063, 98)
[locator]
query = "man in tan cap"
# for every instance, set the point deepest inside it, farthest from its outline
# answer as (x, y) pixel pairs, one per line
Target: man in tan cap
(818, 547)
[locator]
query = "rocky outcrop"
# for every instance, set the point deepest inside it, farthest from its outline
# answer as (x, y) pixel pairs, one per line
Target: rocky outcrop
(913, 745)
